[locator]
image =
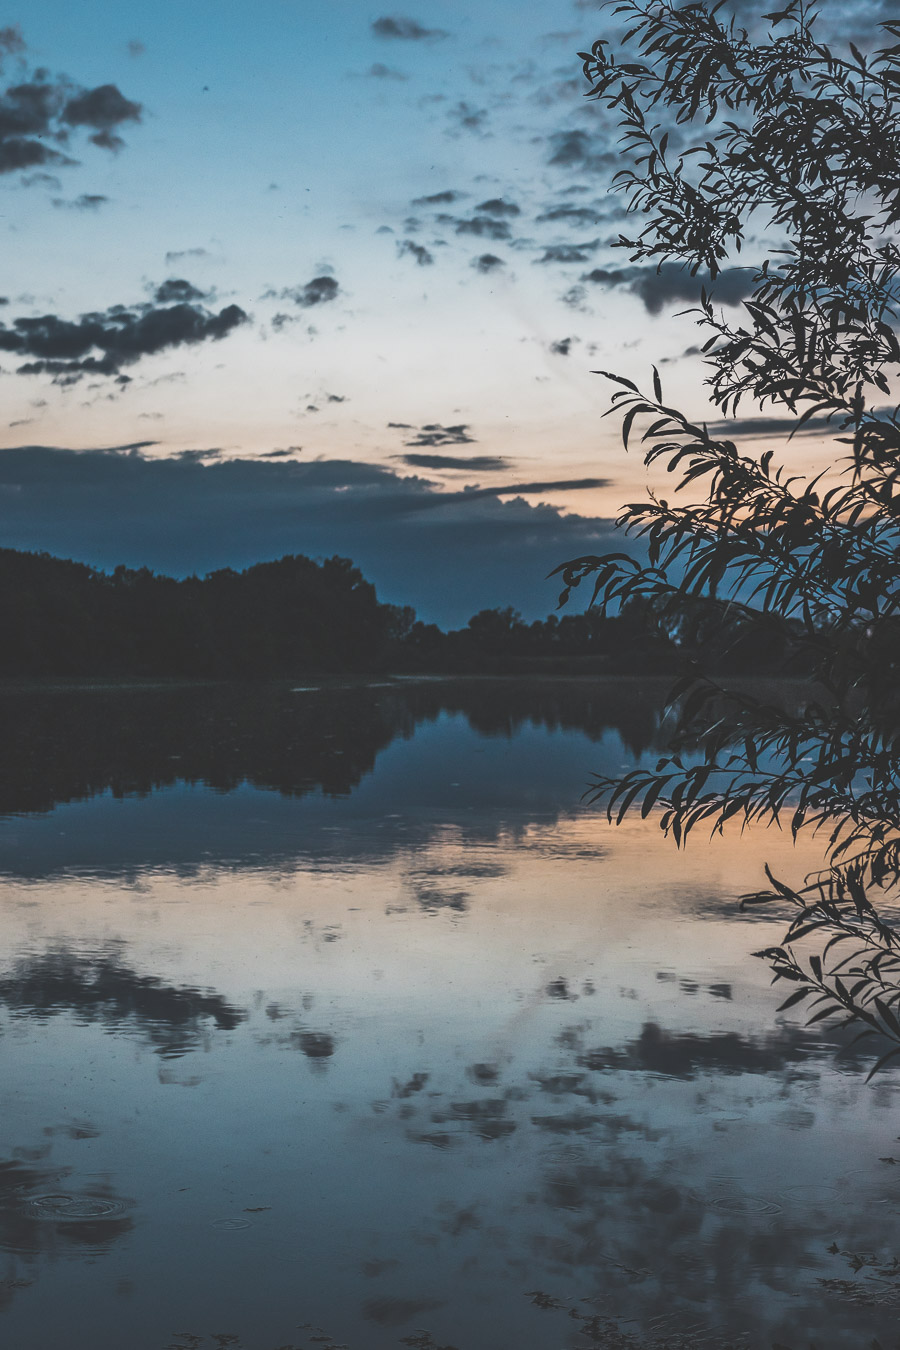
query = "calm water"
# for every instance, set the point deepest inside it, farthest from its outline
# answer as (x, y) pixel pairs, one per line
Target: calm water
(340, 1008)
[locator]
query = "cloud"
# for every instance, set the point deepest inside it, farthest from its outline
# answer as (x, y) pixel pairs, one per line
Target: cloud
(177, 289)
(496, 206)
(563, 347)
(135, 47)
(474, 464)
(176, 255)
(467, 117)
(535, 489)
(104, 109)
(184, 516)
(576, 149)
(38, 114)
(379, 71)
(672, 283)
(40, 179)
(435, 434)
(487, 262)
(438, 198)
(319, 291)
(406, 29)
(569, 253)
(485, 227)
(11, 41)
(765, 427)
(418, 251)
(571, 215)
(103, 343)
(88, 201)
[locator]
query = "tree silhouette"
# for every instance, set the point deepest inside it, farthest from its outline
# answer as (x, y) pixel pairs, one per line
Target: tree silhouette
(789, 139)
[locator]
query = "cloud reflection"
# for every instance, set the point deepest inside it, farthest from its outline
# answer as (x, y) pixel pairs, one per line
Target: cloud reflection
(100, 988)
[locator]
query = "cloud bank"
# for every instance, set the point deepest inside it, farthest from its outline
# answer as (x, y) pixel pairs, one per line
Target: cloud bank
(447, 553)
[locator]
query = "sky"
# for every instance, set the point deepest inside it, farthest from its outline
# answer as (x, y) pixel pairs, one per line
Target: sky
(324, 279)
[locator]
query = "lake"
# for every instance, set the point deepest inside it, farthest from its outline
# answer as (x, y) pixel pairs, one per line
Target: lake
(334, 1016)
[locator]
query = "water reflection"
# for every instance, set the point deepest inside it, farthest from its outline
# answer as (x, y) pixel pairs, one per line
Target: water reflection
(65, 744)
(100, 987)
(43, 1216)
(460, 1059)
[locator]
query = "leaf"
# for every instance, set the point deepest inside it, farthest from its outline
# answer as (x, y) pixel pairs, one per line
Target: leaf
(796, 997)
(885, 1059)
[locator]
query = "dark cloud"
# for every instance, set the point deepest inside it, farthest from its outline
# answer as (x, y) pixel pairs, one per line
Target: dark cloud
(474, 464)
(408, 29)
(434, 434)
(176, 255)
(319, 291)
(571, 215)
(177, 289)
(38, 114)
(418, 251)
(533, 489)
(576, 149)
(496, 206)
(569, 253)
(104, 109)
(609, 276)
(563, 347)
(673, 283)
(379, 71)
(39, 179)
(487, 262)
(438, 198)
(574, 297)
(88, 201)
(467, 117)
(765, 427)
(11, 41)
(102, 343)
(485, 227)
(185, 516)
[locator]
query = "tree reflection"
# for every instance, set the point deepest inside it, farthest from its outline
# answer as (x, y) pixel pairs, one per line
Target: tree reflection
(64, 745)
(100, 988)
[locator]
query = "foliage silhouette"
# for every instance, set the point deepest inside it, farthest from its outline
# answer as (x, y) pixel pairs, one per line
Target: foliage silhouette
(295, 616)
(801, 144)
(277, 618)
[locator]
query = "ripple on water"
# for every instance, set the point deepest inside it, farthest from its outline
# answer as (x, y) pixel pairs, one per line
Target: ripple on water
(729, 1198)
(231, 1225)
(60, 1207)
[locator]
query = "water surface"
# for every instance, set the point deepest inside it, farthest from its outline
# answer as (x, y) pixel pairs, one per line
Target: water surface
(336, 1013)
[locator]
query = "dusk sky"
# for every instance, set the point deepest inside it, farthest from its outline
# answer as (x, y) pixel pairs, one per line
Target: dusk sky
(366, 253)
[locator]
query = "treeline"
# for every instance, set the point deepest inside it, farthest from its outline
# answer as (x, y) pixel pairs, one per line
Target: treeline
(277, 618)
(296, 616)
